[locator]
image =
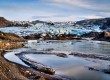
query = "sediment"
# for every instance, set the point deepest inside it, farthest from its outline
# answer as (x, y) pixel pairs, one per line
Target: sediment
(13, 71)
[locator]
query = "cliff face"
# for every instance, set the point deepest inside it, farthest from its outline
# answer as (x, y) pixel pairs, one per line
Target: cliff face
(4, 22)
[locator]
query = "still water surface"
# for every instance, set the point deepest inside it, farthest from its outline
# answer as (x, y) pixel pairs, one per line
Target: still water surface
(72, 67)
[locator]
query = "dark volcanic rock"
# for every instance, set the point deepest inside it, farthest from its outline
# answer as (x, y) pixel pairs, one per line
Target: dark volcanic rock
(104, 36)
(68, 37)
(91, 34)
(33, 36)
(106, 24)
(49, 36)
(101, 36)
(62, 55)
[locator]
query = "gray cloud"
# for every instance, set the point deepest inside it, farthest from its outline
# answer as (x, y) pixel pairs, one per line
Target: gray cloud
(88, 4)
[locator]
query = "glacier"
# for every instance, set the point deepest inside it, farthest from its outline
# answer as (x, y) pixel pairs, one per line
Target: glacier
(53, 29)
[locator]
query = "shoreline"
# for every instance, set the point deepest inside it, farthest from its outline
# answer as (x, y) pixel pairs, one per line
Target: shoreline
(26, 72)
(14, 71)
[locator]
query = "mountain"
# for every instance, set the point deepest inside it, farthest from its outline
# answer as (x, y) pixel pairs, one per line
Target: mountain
(21, 23)
(102, 23)
(89, 24)
(43, 22)
(4, 22)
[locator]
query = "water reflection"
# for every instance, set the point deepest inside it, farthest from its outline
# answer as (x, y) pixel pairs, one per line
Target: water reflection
(72, 67)
(73, 46)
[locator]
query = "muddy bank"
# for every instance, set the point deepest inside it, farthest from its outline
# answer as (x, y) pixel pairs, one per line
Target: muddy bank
(37, 66)
(10, 41)
(13, 71)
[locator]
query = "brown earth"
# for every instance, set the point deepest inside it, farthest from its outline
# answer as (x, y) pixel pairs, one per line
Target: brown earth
(49, 36)
(4, 22)
(12, 71)
(11, 37)
(7, 45)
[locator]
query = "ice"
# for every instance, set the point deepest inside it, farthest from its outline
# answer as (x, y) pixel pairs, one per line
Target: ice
(53, 29)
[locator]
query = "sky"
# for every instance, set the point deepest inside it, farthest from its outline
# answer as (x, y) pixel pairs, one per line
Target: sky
(54, 10)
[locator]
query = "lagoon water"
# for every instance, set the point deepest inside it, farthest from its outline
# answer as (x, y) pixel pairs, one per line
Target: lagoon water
(71, 67)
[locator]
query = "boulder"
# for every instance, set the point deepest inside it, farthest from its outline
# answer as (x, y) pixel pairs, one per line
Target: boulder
(107, 34)
(62, 55)
(104, 36)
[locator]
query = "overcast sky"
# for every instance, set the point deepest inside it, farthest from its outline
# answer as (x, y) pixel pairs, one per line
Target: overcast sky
(54, 10)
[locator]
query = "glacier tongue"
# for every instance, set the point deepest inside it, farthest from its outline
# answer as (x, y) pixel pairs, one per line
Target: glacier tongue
(54, 29)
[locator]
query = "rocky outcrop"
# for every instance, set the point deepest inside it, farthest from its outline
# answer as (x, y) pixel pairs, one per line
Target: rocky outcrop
(4, 22)
(7, 45)
(101, 36)
(10, 41)
(33, 36)
(68, 37)
(91, 34)
(62, 55)
(104, 36)
(49, 36)
(11, 37)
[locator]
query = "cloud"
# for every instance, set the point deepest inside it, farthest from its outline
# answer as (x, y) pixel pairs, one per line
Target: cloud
(54, 9)
(104, 14)
(66, 18)
(92, 17)
(88, 4)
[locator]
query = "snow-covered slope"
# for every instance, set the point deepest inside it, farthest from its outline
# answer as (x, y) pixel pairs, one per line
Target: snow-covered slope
(102, 23)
